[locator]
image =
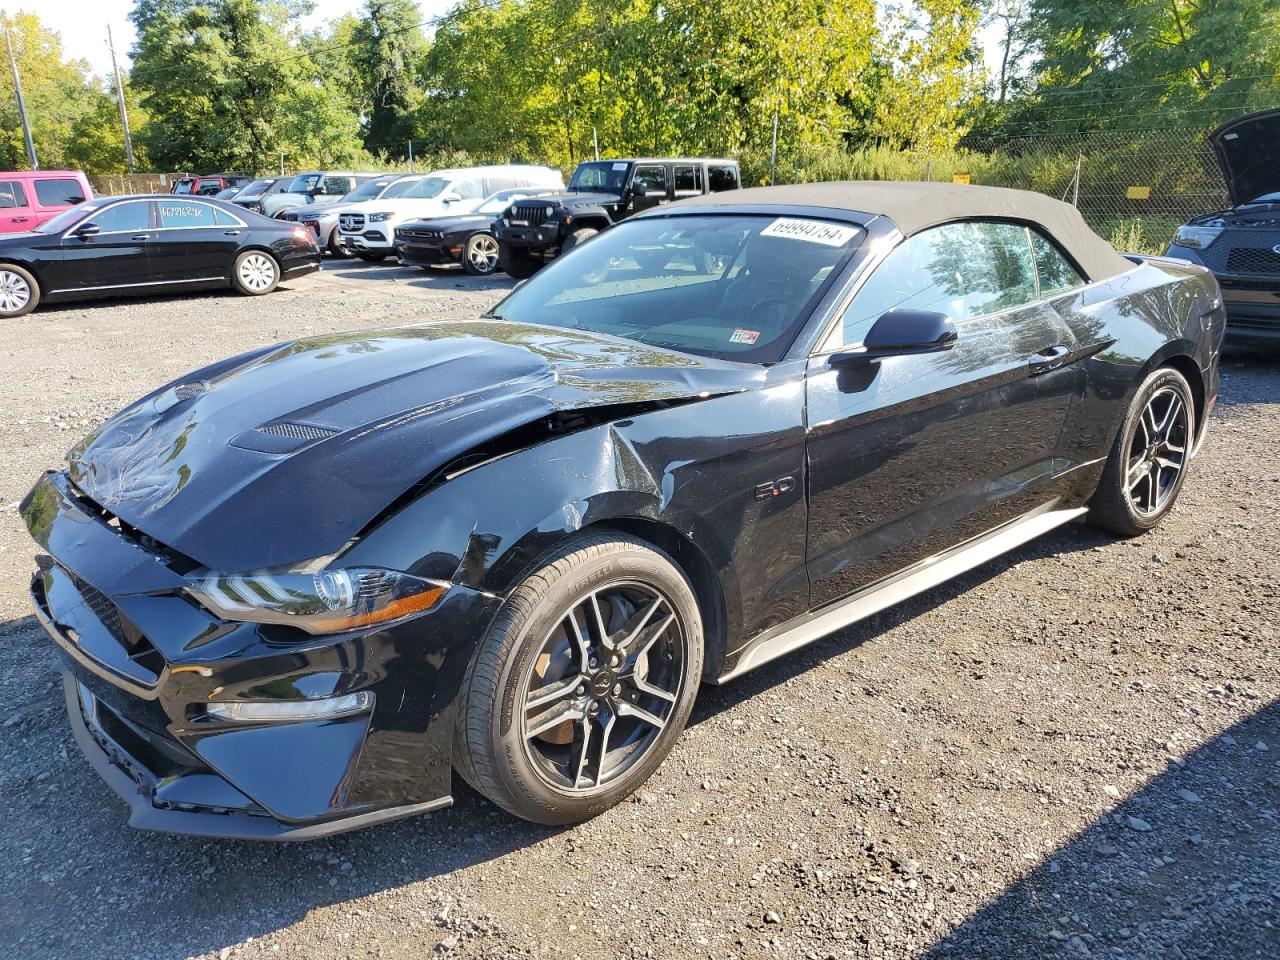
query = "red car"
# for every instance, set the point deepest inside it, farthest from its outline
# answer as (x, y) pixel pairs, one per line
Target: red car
(30, 197)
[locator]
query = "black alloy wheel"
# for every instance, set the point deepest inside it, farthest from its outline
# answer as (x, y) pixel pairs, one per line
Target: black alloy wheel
(1148, 462)
(584, 683)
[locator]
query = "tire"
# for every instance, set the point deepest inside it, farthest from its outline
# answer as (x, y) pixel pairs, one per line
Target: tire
(256, 273)
(1148, 461)
(19, 292)
(545, 777)
(337, 250)
(480, 255)
(519, 264)
(371, 257)
(578, 238)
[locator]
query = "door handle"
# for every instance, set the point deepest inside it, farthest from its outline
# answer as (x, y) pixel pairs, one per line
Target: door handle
(231, 233)
(141, 236)
(1048, 359)
(21, 219)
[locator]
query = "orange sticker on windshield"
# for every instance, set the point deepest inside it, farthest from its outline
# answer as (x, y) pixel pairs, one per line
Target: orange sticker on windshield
(744, 336)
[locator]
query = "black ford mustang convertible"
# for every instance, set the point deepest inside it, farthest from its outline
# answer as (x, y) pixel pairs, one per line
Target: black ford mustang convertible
(297, 589)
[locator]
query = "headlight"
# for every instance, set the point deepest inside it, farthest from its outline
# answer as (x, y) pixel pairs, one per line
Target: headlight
(1196, 237)
(326, 601)
(379, 217)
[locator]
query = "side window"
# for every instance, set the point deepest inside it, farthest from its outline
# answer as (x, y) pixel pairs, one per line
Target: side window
(468, 189)
(224, 219)
(12, 195)
(654, 179)
(124, 218)
(184, 213)
(494, 184)
(59, 193)
(1056, 274)
(722, 176)
(688, 181)
(965, 270)
(208, 188)
(336, 186)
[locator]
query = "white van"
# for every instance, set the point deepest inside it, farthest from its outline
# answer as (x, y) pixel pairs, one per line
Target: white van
(368, 229)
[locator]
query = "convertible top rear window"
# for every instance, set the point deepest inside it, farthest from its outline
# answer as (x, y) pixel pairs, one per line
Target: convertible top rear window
(732, 286)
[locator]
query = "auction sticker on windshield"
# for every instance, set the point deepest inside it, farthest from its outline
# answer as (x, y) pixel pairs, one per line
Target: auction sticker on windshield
(812, 231)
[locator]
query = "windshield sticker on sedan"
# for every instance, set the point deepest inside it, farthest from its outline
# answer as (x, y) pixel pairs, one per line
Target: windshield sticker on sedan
(813, 231)
(619, 166)
(744, 336)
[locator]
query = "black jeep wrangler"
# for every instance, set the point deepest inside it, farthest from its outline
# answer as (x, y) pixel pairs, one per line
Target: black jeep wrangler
(601, 192)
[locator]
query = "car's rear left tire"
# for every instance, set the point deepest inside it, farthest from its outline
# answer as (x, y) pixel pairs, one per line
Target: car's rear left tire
(583, 683)
(255, 273)
(19, 291)
(1148, 462)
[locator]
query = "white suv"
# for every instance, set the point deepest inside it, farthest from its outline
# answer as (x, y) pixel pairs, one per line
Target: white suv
(368, 229)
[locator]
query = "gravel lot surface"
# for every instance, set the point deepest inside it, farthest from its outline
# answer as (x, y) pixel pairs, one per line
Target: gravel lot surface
(1073, 751)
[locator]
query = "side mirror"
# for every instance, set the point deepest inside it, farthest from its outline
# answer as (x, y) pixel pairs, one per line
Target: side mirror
(638, 189)
(86, 230)
(900, 333)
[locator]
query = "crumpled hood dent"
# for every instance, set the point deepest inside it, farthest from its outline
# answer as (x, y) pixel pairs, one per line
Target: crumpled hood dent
(287, 453)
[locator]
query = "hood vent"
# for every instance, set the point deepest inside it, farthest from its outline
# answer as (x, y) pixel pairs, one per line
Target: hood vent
(283, 436)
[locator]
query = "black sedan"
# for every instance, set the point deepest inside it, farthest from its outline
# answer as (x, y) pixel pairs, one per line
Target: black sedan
(299, 588)
(122, 246)
(1241, 244)
(465, 238)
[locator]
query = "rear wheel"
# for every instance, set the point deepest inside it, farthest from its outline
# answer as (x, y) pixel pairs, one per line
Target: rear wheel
(480, 255)
(19, 292)
(519, 264)
(255, 273)
(1148, 461)
(583, 683)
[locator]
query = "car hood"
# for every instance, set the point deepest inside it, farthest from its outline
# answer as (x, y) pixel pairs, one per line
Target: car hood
(572, 198)
(1248, 152)
(463, 221)
(285, 454)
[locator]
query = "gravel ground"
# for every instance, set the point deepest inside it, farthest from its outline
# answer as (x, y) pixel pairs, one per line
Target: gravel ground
(1072, 751)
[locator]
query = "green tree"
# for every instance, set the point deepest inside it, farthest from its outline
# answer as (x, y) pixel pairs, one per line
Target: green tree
(227, 82)
(387, 53)
(61, 96)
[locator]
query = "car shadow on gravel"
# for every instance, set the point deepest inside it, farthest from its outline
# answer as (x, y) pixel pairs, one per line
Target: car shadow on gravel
(1187, 867)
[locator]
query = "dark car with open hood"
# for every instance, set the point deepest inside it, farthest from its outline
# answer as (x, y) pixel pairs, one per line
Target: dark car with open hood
(1241, 244)
(146, 245)
(297, 590)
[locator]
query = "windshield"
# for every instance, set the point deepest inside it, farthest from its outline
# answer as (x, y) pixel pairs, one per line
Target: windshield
(1265, 198)
(504, 198)
(304, 183)
(426, 188)
(256, 189)
(400, 188)
(609, 175)
(369, 190)
(732, 286)
(68, 217)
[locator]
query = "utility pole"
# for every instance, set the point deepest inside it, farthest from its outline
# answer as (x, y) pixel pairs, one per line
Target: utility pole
(773, 150)
(124, 111)
(411, 156)
(22, 106)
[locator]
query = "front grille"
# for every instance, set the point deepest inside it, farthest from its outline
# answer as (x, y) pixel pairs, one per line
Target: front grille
(1253, 260)
(532, 214)
(296, 431)
(135, 644)
(417, 234)
(351, 222)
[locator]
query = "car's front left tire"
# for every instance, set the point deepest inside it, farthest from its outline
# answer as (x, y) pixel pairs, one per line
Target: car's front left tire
(583, 683)
(255, 273)
(19, 291)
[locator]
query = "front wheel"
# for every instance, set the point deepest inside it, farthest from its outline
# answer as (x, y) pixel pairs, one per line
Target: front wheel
(1148, 461)
(480, 255)
(337, 250)
(255, 273)
(19, 291)
(583, 683)
(519, 264)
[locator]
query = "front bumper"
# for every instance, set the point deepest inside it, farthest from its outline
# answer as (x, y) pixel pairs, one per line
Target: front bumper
(142, 660)
(428, 254)
(542, 240)
(1252, 300)
(371, 240)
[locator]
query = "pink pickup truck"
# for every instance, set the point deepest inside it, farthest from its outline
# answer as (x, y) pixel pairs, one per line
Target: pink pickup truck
(30, 197)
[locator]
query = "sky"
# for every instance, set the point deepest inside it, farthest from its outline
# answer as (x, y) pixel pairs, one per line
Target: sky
(83, 24)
